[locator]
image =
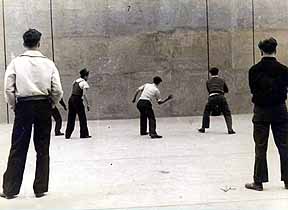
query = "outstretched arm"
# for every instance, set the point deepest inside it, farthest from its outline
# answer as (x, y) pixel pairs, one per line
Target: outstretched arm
(165, 100)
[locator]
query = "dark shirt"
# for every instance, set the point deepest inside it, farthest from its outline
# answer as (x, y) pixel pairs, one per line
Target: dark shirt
(268, 81)
(216, 85)
(76, 90)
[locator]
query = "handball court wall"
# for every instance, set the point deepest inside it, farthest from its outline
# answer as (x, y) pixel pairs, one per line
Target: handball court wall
(125, 43)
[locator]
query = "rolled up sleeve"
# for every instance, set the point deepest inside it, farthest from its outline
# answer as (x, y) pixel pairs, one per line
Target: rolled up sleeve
(10, 85)
(56, 87)
(141, 88)
(84, 85)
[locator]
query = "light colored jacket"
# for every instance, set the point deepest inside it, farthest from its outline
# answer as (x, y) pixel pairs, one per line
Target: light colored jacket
(32, 74)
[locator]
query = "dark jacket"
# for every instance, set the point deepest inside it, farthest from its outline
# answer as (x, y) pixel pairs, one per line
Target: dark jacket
(216, 85)
(268, 81)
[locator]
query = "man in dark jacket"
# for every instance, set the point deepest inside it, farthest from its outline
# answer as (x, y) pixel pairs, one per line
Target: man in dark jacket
(217, 103)
(268, 81)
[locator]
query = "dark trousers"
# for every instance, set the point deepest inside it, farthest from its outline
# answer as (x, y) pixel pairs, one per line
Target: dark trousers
(263, 118)
(217, 102)
(76, 107)
(146, 111)
(58, 120)
(28, 113)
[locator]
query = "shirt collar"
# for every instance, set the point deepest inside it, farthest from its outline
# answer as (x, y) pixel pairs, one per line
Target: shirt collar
(214, 76)
(33, 53)
(269, 58)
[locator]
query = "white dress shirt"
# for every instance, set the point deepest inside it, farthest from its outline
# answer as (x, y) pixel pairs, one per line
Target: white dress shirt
(149, 92)
(32, 74)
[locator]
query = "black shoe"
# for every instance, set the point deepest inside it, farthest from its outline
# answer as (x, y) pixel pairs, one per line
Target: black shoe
(59, 134)
(39, 195)
(286, 185)
(3, 195)
(201, 130)
(143, 134)
(254, 186)
(85, 137)
(155, 136)
(231, 132)
(67, 137)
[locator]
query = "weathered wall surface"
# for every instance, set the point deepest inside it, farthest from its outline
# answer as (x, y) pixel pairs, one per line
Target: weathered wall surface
(125, 43)
(271, 19)
(231, 48)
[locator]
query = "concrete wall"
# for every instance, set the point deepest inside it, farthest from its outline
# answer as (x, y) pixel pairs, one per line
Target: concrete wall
(231, 47)
(125, 43)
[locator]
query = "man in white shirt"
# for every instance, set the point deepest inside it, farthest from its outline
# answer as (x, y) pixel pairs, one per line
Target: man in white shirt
(32, 87)
(144, 105)
(76, 106)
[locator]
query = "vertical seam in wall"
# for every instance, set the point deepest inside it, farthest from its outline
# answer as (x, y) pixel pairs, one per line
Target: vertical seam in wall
(5, 49)
(253, 30)
(52, 30)
(208, 43)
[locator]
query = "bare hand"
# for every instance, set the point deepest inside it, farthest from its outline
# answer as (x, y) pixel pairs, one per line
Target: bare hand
(170, 97)
(88, 108)
(133, 101)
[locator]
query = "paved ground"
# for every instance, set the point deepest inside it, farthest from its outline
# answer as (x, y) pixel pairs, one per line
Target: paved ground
(117, 169)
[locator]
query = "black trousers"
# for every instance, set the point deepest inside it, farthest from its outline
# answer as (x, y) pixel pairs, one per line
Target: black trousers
(146, 111)
(76, 107)
(58, 120)
(219, 102)
(263, 118)
(27, 114)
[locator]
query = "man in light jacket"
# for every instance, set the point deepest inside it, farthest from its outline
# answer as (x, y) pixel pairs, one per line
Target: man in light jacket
(32, 87)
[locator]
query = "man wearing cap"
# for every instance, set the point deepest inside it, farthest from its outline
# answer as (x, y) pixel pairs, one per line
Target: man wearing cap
(217, 103)
(144, 105)
(76, 106)
(268, 81)
(32, 87)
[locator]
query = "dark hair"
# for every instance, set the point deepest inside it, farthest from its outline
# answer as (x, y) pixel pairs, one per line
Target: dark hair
(157, 80)
(84, 72)
(214, 71)
(31, 38)
(268, 45)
